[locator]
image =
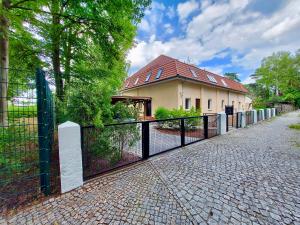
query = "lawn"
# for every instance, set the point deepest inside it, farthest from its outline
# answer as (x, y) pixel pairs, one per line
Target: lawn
(295, 126)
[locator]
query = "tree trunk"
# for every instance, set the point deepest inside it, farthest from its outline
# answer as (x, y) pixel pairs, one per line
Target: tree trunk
(68, 56)
(55, 36)
(4, 64)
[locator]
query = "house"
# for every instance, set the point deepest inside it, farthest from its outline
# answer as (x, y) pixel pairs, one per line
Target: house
(170, 83)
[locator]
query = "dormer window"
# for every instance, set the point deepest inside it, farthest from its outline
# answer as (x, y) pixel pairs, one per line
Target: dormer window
(224, 83)
(159, 72)
(136, 81)
(193, 73)
(148, 77)
(211, 78)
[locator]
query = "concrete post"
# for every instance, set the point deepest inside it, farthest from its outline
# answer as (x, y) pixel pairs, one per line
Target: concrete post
(243, 119)
(273, 112)
(71, 173)
(269, 113)
(254, 116)
(222, 117)
(262, 114)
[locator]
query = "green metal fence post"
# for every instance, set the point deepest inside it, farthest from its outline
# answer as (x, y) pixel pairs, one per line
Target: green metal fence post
(44, 130)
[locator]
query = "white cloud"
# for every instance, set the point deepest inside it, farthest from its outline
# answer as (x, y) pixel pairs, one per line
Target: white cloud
(186, 8)
(168, 28)
(224, 28)
(171, 12)
(248, 80)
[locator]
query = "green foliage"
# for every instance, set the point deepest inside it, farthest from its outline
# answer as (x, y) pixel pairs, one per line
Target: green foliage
(232, 76)
(123, 112)
(14, 159)
(88, 104)
(278, 79)
(15, 112)
(162, 113)
(295, 126)
(111, 141)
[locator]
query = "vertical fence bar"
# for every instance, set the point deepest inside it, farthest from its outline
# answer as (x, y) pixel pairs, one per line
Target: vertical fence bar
(227, 123)
(237, 120)
(205, 125)
(145, 139)
(182, 132)
(44, 148)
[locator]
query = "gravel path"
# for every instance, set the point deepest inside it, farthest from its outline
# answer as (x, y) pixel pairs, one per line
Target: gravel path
(248, 176)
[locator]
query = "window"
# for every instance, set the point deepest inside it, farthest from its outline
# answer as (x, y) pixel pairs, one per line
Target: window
(224, 83)
(209, 104)
(194, 73)
(187, 103)
(211, 78)
(222, 105)
(159, 72)
(136, 81)
(148, 77)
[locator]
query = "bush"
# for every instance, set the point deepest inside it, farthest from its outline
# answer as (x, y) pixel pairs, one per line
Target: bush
(111, 141)
(162, 113)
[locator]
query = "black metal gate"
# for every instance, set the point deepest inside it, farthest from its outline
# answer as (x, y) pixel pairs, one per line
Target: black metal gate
(117, 145)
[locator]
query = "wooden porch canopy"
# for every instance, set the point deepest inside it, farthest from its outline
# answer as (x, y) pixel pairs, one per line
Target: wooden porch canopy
(132, 99)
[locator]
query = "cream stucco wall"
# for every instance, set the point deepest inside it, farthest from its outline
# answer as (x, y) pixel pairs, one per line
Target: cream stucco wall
(162, 94)
(172, 94)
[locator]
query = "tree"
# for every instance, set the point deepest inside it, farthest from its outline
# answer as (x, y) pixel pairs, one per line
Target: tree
(82, 30)
(279, 76)
(11, 25)
(232, 76)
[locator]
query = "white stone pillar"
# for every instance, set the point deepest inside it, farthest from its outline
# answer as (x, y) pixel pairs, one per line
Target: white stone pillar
(254, 116)
(273, 112)
(269, 113)
(70, 156)
(222, 117)
(243, 119)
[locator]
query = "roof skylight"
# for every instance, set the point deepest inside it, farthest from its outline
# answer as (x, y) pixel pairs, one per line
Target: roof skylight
(136, 81)
(194, 73)
(148, 76)
(159, 72)
(224, 83)
(211, 78)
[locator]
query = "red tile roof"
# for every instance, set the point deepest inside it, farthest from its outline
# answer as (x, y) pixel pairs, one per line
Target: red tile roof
(173, 68)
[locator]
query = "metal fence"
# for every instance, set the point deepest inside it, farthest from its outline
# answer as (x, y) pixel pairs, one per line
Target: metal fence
(116, 145)
(26, 140)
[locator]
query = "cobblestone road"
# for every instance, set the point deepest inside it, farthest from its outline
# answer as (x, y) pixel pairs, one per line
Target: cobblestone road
(249, 176)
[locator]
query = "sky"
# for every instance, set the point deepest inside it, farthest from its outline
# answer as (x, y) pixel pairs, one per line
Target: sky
(217, 35)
